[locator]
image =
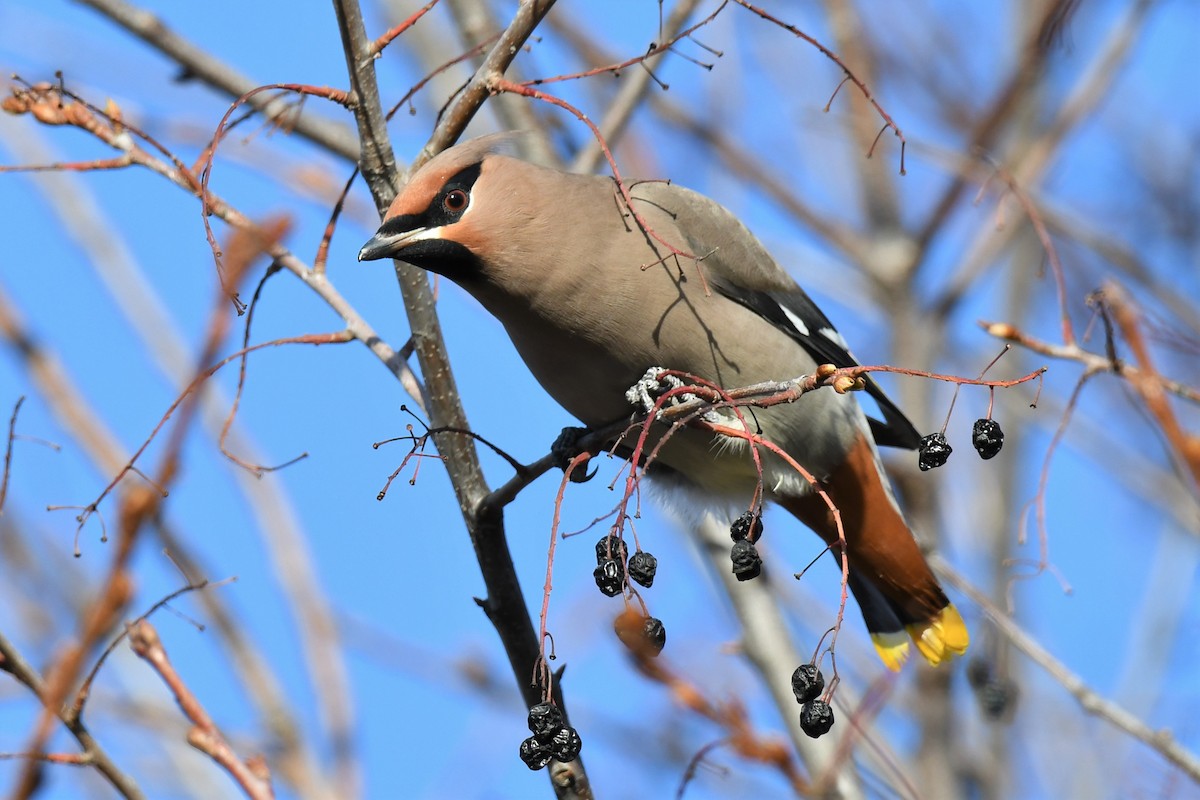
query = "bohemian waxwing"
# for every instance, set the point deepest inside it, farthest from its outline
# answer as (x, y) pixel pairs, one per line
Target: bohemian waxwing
(591, 302)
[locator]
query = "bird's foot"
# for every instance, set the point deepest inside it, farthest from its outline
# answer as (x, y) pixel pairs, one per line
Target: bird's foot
(565, 450)
(654, 384)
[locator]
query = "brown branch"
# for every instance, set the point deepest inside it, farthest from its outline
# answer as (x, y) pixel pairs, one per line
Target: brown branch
(296, 762)
(1184, 447)
(138, 506)
(16, 665)
(505, 604)
(481, 86)
(47, 104)
(1092, 361)
(199, 64)
(251, 775)
(8, 450)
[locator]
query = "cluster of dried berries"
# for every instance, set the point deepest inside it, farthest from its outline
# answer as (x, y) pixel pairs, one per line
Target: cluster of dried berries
(745, 531)
(551, 739)
(611, 555)
(986, 437)
(816, 716)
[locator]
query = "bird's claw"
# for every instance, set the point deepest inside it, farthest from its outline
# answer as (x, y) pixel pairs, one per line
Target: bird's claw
(654, 384)
(566, 448)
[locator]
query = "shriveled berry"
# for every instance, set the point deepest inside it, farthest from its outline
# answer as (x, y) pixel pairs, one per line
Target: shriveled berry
(609, 577)
(536, 753)
(979, 672)
(642, 568)
(934, 450)
(611, 548)
(544, 718)
(566, 744)
(655, 635)
(747, 526)
(987, 438)
(816, 718)
(746, 562)
(807, 683)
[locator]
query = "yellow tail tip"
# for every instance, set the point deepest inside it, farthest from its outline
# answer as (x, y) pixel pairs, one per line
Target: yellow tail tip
(892, 649)
(942, 637)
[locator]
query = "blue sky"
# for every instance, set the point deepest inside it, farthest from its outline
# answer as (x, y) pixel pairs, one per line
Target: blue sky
(399, 574)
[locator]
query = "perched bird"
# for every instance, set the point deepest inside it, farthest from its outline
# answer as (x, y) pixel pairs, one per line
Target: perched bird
(592, 299)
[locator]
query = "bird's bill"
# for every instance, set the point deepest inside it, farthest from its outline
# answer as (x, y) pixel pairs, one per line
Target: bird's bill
(386, 244)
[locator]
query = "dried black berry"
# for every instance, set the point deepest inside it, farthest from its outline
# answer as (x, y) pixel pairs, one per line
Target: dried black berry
(544, 718)
(655, 635)
(611, 548)
(816, 718)
(642, 567)
(747, 526)
(979, 672)
(807, 683)
(934, 451)
(610, 577)
(987, 438)
(566, 744)
(536, 753)
(996, 698)
(746, 562)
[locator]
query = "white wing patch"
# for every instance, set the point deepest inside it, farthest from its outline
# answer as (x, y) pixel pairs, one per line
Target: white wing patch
(801, 328)
(834, 336)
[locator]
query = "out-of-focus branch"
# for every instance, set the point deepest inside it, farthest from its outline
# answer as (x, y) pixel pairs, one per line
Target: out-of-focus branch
(76, 415)
(1094, 362)
(996, 118)
(768, 645)
(1032, 161)
(1184, 447)
(84, 220)
(251, 775)
(199, 64)
(14, 663)
(631, 94)
(1161, 741)
(877, 188)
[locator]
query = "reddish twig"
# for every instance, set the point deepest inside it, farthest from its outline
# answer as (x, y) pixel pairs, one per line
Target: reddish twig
(1183, 447)
(419, 85)
(327, 236)
(251, 775)
(730, 715)
(81, 697)
(205, 162)
(376, 47)
(654, 49)
(888, 122)
(1056, 267)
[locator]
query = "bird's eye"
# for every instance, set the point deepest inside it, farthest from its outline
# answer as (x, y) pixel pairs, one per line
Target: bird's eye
(455, 200)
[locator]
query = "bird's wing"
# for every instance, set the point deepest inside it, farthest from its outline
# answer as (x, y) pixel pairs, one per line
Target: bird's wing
(737, 266)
